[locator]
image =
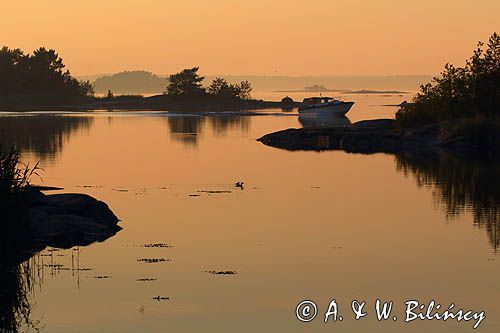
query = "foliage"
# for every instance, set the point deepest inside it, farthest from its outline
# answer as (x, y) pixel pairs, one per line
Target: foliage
(460, 92)
(186, 83)
(14, 176)
(221, 88)
(40, 73)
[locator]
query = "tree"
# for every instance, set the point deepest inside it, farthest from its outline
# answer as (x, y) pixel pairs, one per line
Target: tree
(472, 91)
(245, 90)
(10, 70)
(221, 88)
(186, 83)
(41, 73)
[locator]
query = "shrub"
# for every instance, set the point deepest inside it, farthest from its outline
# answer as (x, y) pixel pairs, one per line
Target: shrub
(459, 93)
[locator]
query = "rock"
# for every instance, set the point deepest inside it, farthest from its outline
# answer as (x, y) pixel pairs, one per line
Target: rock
(66, 220)
(367, 136)
(375, 124)
(83, 205)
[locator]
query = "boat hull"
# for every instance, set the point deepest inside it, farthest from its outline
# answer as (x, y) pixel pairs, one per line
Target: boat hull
(338, 109)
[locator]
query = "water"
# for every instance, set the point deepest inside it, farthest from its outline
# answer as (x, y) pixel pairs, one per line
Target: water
(307, 225)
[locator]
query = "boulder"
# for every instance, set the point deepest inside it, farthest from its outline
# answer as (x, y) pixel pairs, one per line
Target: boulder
(66, 220)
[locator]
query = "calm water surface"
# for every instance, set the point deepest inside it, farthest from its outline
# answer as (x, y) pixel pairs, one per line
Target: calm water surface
(307, 225)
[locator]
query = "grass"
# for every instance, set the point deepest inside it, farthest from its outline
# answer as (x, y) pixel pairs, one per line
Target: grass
(15, 176)
(16, 279)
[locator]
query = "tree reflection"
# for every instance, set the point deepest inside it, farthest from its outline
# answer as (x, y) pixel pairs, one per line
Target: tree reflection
(42, 135)
(16, 284)
(18, 272)
(186, 129)
(460, 185)
(222, 124)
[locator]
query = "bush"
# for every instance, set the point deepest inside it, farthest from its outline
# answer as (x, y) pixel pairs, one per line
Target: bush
(481, 133)
(459, 93)
(14, 176)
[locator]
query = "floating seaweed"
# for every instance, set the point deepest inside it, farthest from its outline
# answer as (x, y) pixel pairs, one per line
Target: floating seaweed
(153, 260)
(56, 266)
(215, 191)
(157, 245)
(213, 272)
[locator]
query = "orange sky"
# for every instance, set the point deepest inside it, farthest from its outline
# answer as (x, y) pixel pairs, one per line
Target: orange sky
(296, 37)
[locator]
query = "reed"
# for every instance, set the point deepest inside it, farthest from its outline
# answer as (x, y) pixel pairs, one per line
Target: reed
(15, 176)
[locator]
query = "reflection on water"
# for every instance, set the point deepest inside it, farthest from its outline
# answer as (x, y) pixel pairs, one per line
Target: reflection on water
(44, 135)
(16, 284)
(461, 185)
(323, 121)
(186, 129)
(221, 125)
(350, 223)
(18, 272)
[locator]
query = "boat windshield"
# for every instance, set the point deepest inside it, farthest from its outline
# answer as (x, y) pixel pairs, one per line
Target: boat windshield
(318, 100)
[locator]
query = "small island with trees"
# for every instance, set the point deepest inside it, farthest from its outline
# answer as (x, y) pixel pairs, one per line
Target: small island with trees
(458, 111)
(39, 81)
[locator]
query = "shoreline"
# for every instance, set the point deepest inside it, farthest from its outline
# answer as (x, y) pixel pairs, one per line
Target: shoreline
(370, 137)
(140, 103)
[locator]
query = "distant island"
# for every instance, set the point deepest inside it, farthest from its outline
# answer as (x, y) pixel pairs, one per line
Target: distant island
(318, 88)
(374, 92)
(136, 82)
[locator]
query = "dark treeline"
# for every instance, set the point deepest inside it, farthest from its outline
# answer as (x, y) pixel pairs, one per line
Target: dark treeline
(465, 92)
(463, 103)
(40, 73)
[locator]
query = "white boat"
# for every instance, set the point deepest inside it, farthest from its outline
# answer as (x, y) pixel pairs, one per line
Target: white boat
(325, 105)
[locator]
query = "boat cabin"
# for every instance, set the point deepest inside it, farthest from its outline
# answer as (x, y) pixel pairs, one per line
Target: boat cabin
(318, 100)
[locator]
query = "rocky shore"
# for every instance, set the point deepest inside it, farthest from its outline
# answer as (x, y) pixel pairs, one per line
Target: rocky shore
(368, 136)
(63, 221)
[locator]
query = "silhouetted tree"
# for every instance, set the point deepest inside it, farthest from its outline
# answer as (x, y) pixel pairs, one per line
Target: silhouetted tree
(186, 83)
(11, 70)
(460, 92)
(221, 88)
(42, 73)
(245, 89)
